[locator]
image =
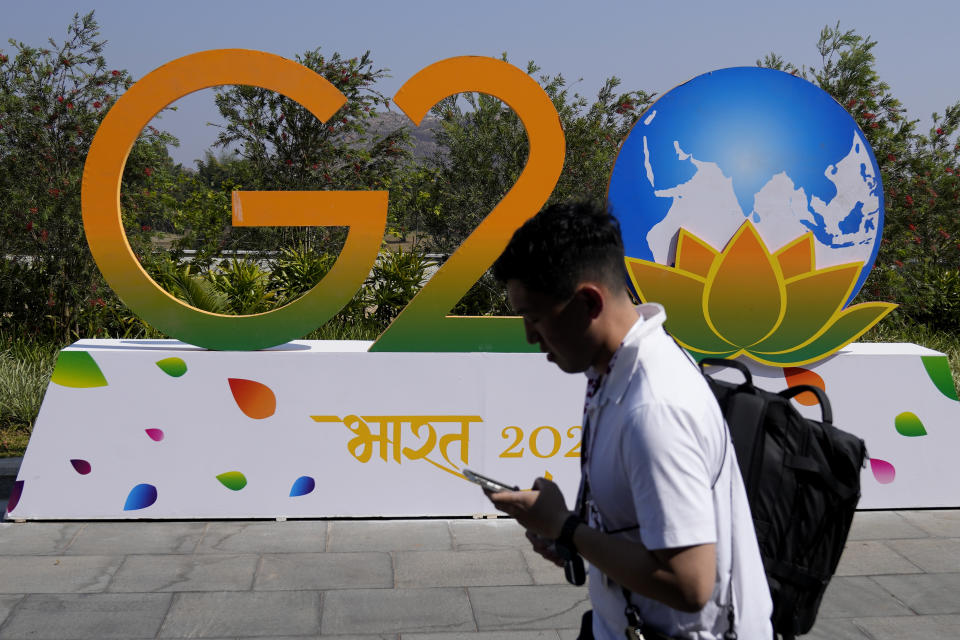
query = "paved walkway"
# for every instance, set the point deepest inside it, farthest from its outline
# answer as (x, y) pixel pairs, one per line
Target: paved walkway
(410, 580)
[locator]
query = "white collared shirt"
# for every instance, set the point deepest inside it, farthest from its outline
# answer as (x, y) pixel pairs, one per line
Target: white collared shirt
(659, 455)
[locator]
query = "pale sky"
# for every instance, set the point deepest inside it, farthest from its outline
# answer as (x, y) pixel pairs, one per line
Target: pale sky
(650, 45)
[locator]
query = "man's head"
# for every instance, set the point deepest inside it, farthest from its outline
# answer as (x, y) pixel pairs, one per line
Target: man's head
(565, 275)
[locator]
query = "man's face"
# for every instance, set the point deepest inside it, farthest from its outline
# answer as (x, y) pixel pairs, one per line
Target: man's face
(559, 328)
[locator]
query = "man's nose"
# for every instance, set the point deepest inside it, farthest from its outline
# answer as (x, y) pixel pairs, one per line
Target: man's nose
(532, 336)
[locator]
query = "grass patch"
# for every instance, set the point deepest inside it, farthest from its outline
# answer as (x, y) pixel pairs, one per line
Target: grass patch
(896, 330)
(25, 370)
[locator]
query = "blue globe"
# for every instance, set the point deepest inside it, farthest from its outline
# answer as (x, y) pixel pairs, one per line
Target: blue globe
(749, 143)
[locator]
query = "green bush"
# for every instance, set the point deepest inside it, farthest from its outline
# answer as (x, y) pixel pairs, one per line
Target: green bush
(297, 270)
(395, 279)
(245, 284)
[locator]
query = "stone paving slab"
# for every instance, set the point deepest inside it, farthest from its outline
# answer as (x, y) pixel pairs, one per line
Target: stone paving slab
(483, 635)
(535, 607)
(98, 616)
(322, 571)
(238, 613)
(837, 629)
(7, 603)
(868, 557)
(37, 538)
(115, 538)
(56, 574)
(542, 570)
(148, 574)
(396, 611)
(389, 535)
(920, 627)
(477, 535)
(932, 555)
(461, 568)
(939, 523)
(399, 579)
(935, 593)
(859, 596)
(305, 536)
(883, 525)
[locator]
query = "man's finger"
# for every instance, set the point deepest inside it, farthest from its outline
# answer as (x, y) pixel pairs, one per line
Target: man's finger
(516, 498)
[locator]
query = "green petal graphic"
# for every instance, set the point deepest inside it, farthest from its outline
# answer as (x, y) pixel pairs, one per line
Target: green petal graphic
(853, 323)
(908, 424)
(77, 369)
(173, 366)
(233, 480)
(938, 368)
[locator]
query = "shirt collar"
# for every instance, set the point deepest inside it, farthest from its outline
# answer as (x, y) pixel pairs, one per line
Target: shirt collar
(651, 316)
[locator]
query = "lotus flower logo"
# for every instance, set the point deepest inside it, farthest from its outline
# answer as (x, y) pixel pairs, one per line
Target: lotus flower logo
(775, 308)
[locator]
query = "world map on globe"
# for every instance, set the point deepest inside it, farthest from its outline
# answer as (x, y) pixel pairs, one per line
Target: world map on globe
(749, 143)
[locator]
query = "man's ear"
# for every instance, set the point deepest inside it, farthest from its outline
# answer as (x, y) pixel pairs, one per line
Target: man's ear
(593, 299)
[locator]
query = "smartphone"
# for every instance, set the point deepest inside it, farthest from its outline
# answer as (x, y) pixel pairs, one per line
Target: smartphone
(488, 483)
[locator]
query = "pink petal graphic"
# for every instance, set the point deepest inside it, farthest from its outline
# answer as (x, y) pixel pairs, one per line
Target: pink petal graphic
(155, 434)
(883, 471)
(82, 466)
(15, 494)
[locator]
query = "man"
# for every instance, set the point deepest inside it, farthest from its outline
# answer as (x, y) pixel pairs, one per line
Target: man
(663, 520)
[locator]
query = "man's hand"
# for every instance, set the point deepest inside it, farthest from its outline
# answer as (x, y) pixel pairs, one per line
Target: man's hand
(541, 511)
(545, 548)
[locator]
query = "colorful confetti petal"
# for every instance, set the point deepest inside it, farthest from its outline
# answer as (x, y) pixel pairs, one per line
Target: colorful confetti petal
(82, 466)
(799, 375)
(77, 369)
(15, 492)
(908, 424)
(938, 368)
(175, 367)
(302, 486)
(140, 497)
(233, 480)
(256, 400)
(883, 471)
(155, 434)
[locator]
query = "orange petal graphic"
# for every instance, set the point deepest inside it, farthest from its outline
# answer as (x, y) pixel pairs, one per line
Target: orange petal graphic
(813, 299)
(256, 400)
(682, 296)
(693, 254)
(744, 294)
(797, 257)
(799, 375)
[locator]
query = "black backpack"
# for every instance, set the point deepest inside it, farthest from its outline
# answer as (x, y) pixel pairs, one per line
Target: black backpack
(803, 484)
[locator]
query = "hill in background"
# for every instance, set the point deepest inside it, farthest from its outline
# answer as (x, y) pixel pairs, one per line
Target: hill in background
(424, 146)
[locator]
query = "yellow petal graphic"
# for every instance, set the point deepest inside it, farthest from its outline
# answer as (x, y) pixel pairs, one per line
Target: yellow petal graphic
(796, 257)
(812, 300)
(693, 254)
(682, 297)
(744, 293)
(846, 327)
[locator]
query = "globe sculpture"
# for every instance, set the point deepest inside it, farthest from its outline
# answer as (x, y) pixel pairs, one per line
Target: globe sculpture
(751, 206)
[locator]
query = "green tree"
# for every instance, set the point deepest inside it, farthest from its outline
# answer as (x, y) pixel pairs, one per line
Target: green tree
(284, 147)
(52, 100)
(485, 149)
(919, 257)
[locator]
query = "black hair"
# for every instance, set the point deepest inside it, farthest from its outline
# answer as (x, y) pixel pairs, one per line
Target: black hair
(562, 246)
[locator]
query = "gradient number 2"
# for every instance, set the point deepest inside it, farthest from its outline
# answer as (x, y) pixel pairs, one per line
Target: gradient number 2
(424, 325)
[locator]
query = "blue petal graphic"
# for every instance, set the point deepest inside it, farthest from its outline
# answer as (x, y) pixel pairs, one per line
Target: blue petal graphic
(302, 486)
(141, 497)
